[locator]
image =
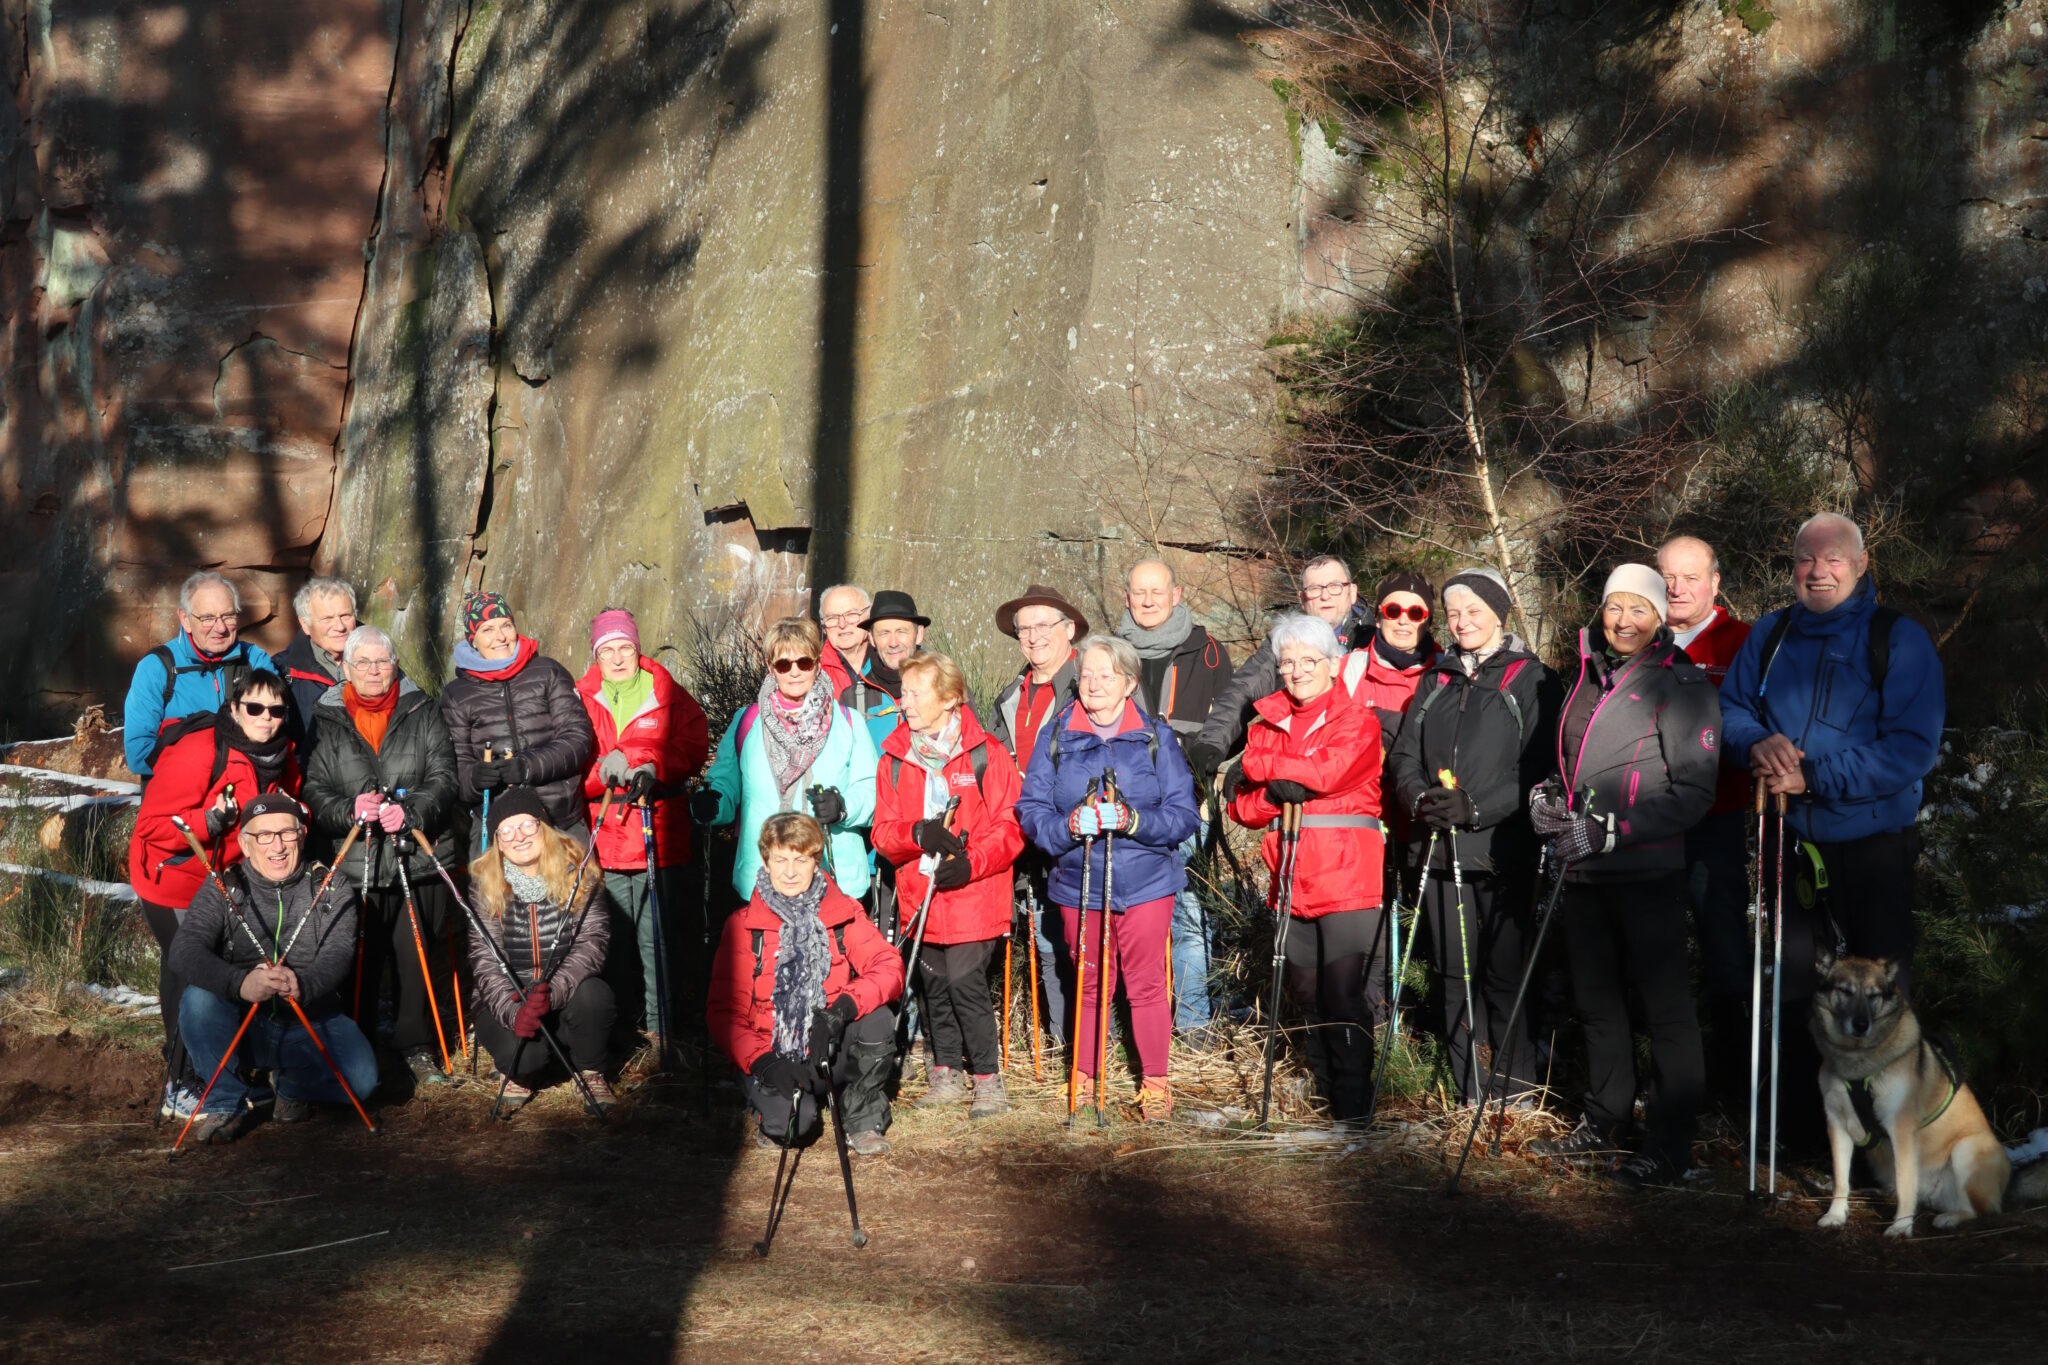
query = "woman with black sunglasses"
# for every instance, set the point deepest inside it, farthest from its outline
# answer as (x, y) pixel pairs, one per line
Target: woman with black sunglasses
(795, 749)
(211, 763)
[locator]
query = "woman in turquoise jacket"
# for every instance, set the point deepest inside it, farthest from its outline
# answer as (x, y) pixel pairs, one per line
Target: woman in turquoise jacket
(794, 749)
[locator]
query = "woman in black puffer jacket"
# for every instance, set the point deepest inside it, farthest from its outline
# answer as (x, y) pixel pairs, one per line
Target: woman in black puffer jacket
(510, 698)
(1638, 756)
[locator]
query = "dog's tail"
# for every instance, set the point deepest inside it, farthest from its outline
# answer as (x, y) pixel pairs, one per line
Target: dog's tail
(2029, 1169)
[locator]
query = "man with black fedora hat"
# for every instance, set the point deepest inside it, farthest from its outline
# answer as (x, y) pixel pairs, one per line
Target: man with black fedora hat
(1045, 625)
(897, 631)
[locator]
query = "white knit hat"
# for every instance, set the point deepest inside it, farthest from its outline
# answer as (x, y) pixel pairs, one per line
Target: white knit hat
(1642, 580)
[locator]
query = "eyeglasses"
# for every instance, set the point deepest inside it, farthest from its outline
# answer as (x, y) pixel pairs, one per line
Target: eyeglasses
(254, 709)
(372, 665)
(271, 838)
(218, 620)
(1040, 632)
(1325, 589)
(518, 831)
(803, 665)
(1300, 665)
(1394, 611)
(844, 618)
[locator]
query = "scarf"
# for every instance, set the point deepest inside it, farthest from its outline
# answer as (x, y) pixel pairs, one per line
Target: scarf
(793, 738)
(1158, 643)
(267, 759)
(882, 677)
(467, 660)
(1401, 658)
(1470, 660)
(933, 752)
(803, 957)
(625, 700)
(372, 715)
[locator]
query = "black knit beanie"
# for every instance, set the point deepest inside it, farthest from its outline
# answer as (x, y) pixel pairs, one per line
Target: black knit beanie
(1485, 584)
(515, 801)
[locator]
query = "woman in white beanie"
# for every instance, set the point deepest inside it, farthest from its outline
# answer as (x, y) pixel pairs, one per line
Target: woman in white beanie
(1638, 755)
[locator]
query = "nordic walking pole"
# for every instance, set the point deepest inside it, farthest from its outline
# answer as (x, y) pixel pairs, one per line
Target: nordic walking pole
(1031, 957)
(454, 975)
(1009, 950)
(225, 1057)
(1283, 903)
(1449, 779)
(483, 826)
(1756, 985)
(931, 886)
(321, 1047)
(1103, 988)
(1080, 970)
(419, 944)
(1777, 994)
(778, 1193)
(476, 926)
(660, 943)
(363, 921)
(1507, 1040)
(563, 948)
(1379, 1073)
(860, 1239)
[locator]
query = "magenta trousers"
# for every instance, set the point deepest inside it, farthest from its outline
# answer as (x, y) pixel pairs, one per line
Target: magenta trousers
(1137, 941)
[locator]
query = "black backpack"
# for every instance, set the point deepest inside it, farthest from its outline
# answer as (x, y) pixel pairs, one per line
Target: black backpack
(760, 937)
(234, 665)
(191, 725)
(1882, 619)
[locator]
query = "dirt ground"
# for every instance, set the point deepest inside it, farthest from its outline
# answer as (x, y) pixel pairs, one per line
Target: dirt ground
(546, 1238)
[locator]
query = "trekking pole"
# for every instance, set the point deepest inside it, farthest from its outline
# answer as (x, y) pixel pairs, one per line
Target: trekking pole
(931, 886)
(1777, 993)
(1283, 902)
(321, 1047)
(1450, 780)
(1031, 957)
(778, 1193)
(220, 1066)
(661, 1046)
(1080, 970)
(1379, 1071)
(1756, 986)
(1507, 1039)
(483, 828)
(363, 921)
(454, 973)
(504, 964)
(860, 1239)
(419, 944)
(1103, 989)
(603, 807)
(1009, 949)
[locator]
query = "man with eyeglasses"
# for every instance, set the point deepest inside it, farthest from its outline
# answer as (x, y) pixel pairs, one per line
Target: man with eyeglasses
(326, 608)
(275, 940)
(1044, 625)
(192, 671)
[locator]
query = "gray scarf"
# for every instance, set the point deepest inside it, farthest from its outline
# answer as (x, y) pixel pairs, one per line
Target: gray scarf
(794, 738)
(1470, 661)
(803, 957)
(1162, 641)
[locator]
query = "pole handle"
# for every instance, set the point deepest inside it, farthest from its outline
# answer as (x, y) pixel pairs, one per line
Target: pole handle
(1762, 797)
(1781, 805)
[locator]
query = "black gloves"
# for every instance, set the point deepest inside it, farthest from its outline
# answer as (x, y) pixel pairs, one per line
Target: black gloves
(1549, 812)
(933, 837)
(219, 821)
(1583, 837)
(704, 805)
(827, 805)
(639, 784)
(1285, 793)
(952, 873)
(1444, 807)
(1206, 760)
(778, 1075)
(828, 1028)
(495, 774)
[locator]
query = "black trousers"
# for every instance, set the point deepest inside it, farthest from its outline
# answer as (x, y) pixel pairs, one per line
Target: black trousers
(1630, 938)
(1327, 977)
(952, 982)
(866, 1061)
(390, 955)
(1869, 900)
(1488, 950)
(170, 989)
(582, 1026)
(1717, 882)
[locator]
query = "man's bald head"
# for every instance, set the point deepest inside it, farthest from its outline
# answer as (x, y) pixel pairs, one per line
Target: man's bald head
(1692, 580)
(1150, 593)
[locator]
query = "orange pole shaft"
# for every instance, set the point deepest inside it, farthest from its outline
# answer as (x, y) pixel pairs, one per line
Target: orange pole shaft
(427, 979)
(340, 1079)
(1031, 954)
(221, 1066)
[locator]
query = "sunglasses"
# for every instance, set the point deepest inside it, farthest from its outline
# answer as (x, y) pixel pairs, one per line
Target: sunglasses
(800, 665)
(1394, 611)
(253, 709)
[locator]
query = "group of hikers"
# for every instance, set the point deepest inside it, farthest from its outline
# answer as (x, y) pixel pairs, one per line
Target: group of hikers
(1402, 749)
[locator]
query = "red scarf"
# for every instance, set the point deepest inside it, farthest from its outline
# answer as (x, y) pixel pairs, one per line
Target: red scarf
(371, 715)
(1034, 704)
(521, 657)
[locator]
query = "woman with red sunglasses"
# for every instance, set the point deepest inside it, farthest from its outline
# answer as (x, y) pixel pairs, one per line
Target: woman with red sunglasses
(795, 749)
(211, 763)
(1383, 671)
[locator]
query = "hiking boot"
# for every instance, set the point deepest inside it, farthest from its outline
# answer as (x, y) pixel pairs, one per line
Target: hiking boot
(289, 1110)
(1583, 1143)
(513, 1098)
(991, 1097)
(179, 1102)
(764, 1143)
(218, 1125)
(948, 1087)
(1647, 1170)
(1155, 1100)
(600, 1090)
(425, 1070)
(867, 1142)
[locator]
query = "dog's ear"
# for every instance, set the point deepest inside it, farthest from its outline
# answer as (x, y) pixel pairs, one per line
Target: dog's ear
(1889, 971)
(1824, 961)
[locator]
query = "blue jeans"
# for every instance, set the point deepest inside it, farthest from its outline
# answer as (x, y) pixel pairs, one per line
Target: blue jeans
(275, 1040)
(1190, 939)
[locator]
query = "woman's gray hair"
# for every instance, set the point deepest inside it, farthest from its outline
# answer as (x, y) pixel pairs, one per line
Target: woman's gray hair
(1299, 628)
(364, 635)
(1122, 656)
(302, 600)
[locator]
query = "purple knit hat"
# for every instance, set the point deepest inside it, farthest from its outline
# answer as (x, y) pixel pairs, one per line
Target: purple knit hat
(614, 623)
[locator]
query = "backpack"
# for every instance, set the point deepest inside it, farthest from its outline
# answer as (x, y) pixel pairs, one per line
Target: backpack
(234, 664)
(175, 730)
(1507, 678)
(977, 757)
(759, 936)
(1882, 619)
(1053, 746)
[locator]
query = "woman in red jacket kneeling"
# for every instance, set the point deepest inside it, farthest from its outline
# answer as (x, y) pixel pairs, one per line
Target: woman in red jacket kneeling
(958, 860)
(803, 980)
(1311, 745)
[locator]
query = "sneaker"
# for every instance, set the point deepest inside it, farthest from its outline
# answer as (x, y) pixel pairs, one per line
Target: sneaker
(1582, 1143)
(179, 1102)
(991, 1097)
(289, 1110)
(425, 1070)
(867, 1142)
(948, 1086)
(1155, 1100)
(218, 1125)
(1647, 1170)
(513, 1098)
(600, 1090)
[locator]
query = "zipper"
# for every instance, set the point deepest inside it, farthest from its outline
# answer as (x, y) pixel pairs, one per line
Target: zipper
(1613, 687)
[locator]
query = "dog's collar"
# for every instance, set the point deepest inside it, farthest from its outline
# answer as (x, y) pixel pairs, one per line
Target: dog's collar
(1864, 1102)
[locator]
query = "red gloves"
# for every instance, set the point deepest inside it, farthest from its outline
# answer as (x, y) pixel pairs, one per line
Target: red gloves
(532, 1010)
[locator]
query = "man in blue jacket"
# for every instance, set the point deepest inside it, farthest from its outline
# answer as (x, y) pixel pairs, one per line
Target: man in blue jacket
(1838, 704)
(192, 671)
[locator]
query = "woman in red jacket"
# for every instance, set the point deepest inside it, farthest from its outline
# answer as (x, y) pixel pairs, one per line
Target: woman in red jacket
(651, 740)
(1311, 745)
(958, 864)
(216, 762)
(803, 980)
